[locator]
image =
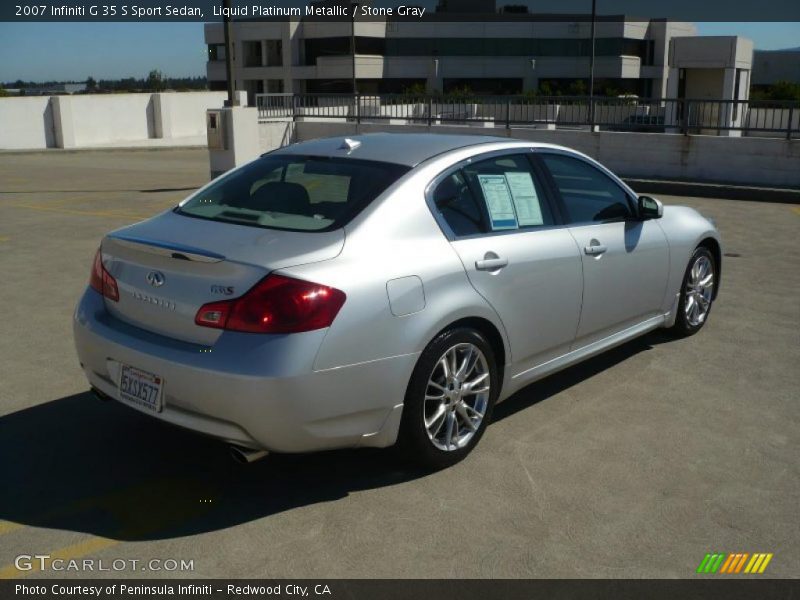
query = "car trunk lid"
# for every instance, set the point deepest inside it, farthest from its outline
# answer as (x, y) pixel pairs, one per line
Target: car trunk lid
(166, 268)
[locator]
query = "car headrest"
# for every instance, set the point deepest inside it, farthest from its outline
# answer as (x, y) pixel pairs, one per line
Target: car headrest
(281, 196)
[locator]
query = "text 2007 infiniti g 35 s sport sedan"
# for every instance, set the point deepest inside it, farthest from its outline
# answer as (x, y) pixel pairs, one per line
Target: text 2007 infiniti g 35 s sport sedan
(383, 289)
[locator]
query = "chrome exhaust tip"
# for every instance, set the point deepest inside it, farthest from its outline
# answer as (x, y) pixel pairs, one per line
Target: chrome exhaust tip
(246, 455)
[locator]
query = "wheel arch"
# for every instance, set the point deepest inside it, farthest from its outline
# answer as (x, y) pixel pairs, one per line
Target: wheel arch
(716, 251)
(492, 335)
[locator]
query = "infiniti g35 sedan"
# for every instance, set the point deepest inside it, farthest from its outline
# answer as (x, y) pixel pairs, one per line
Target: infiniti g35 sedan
(385, 289)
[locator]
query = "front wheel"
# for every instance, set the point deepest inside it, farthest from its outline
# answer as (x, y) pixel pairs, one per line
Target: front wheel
(449, 399)
(697, 293)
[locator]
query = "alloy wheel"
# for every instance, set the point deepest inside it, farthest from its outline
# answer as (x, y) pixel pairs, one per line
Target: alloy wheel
(457, 396)
(699, 290)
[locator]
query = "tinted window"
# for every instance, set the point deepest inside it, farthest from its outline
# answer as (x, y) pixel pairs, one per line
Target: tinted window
(588, 193)
(497, 194)
(509, 192)
(294, 192)
(458, 207)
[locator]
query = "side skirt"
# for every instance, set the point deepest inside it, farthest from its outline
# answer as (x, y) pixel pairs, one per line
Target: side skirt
(520, 380)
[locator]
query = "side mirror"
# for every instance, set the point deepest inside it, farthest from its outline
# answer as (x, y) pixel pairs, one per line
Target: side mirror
(650, 208)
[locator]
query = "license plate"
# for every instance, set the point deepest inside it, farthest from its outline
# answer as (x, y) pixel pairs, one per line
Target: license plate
(141, 388)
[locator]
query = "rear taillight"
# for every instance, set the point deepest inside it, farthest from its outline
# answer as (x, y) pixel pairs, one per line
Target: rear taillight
(101, 280)
(276, 304)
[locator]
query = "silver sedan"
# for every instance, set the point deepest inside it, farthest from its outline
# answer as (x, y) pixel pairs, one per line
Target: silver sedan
(383, 289)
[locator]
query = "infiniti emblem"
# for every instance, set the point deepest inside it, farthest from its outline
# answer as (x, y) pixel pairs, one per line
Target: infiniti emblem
(155, 278)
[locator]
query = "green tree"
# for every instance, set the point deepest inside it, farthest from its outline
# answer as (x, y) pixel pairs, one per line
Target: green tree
(415, 89)
(785, 90)
(460, 94)
(91, 84)
(546, 89)
(578, 88)
(155, 80)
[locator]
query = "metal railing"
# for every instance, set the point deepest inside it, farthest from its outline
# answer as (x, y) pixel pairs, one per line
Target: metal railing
(624, 113)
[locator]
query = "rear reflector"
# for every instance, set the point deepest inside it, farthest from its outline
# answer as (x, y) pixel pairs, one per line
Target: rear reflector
(101, 280)
(276, 304)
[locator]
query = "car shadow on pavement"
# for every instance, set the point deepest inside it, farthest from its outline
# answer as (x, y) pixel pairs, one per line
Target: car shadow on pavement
(563, 380)
(83, 465)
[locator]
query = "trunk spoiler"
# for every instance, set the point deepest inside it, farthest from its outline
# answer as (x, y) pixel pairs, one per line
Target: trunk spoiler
(178, 251)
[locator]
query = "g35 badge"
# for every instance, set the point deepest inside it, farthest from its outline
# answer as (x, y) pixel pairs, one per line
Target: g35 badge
(225, 290)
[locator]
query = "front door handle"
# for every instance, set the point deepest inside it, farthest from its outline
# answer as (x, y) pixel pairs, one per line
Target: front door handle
(491, 262)
(594, 249)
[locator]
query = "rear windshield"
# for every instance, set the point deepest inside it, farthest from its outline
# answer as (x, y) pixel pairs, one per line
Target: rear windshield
(297, 193)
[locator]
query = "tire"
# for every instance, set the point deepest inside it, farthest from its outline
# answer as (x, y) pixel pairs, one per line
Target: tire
(697, 293)
(437, 405)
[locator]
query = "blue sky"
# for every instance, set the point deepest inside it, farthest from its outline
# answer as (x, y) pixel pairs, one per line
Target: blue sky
(75, 51)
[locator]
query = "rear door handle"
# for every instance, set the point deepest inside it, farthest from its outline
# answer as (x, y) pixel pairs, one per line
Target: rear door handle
(594, 249)
(491, 264)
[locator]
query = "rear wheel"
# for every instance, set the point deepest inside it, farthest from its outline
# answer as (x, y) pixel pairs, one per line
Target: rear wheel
(449, 400)
(697, 293)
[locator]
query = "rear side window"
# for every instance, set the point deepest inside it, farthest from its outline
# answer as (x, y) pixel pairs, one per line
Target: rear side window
(589, 195)
(457, 205)
(296, 193)
(500, 193)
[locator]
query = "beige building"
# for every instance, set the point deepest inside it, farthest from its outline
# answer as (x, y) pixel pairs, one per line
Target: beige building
(492, 54)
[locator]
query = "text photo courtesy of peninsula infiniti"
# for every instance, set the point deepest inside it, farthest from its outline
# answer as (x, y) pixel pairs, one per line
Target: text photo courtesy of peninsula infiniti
(384, 289)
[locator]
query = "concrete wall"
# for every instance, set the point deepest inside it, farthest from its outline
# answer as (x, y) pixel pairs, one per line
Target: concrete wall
(184, 114)
(113, 120)
(106, 120)
(746, 161)
(26, 123)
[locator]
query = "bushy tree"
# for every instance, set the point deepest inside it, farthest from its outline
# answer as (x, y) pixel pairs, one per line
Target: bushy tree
(785, 90)
(155, 80)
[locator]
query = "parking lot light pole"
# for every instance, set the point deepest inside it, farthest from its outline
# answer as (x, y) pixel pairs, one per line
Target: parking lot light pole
(591, 67)
(228, 51)
(354, 6)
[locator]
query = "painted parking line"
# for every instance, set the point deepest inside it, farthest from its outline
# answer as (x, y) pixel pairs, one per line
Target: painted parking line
(4, 238)
(9, 526)
(796, 210)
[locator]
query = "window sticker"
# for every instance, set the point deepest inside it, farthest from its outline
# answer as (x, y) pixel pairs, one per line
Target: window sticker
(526, 201)
(498, 201)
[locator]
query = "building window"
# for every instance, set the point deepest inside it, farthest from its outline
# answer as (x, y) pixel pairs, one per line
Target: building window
(274, 86)
(533, 47)
(340, 46)
(483, 85)
(321, 47)
(252, 54)
(216, 52)
(253, 88)
(274, 53)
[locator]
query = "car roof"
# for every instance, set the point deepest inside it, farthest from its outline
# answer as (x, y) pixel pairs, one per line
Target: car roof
(408, 149)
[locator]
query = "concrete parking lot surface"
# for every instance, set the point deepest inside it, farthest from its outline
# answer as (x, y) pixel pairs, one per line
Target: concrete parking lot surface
(634, 464)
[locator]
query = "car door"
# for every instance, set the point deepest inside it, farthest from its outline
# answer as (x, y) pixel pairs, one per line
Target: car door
(503, 227)
(625, 259)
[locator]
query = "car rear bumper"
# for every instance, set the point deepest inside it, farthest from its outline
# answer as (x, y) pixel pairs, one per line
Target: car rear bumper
(259, 391)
